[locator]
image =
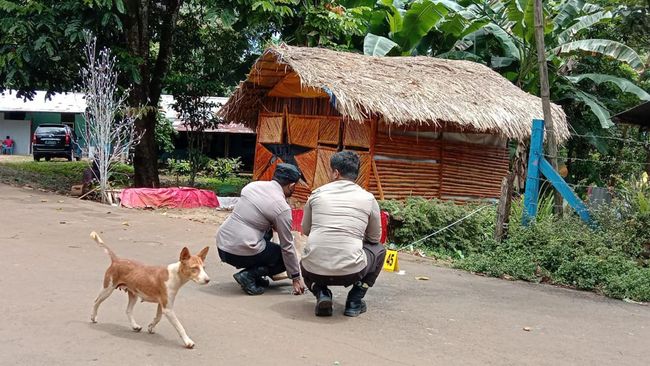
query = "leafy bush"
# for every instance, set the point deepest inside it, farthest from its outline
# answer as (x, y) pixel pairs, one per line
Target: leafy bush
(164, 133)
(632, 284)
(416, 218)
(568, 252)
(225, 188)
(636, 193)
(179, 167)
(611, 259)
(224, 168)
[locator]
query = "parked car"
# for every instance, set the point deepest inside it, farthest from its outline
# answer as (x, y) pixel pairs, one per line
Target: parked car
(55, 140)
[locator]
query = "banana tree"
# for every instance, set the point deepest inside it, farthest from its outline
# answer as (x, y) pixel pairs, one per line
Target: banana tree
(511, 27)
(500, 34)
(414, 27)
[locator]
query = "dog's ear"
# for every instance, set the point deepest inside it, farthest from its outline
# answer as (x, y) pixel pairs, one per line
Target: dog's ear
(203, 253)
(185, 254)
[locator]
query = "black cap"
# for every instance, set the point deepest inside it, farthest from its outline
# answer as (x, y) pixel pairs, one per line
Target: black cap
(286, 174)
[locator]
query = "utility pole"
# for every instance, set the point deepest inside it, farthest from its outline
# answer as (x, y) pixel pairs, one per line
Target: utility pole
(551, 137)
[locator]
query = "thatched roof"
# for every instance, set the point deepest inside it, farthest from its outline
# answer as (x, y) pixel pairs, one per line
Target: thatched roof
(639, 115)
(401, 90)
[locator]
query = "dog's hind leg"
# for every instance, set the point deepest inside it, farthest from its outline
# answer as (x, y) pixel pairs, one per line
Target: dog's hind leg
(129, 311)
(103, 295)
(155, 320)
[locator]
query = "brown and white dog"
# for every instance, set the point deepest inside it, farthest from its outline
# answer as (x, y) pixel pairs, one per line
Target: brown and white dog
(157, 284)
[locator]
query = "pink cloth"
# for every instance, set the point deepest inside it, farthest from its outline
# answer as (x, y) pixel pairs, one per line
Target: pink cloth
(297, 215)
(384, 226)
(181, 197)
(8, 142)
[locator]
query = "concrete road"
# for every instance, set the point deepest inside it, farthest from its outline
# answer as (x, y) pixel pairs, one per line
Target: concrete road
(50, 272)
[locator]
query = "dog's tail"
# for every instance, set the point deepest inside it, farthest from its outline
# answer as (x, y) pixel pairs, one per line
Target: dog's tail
(100, 242)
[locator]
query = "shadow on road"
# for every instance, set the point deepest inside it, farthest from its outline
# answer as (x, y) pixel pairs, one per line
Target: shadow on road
(125, 332)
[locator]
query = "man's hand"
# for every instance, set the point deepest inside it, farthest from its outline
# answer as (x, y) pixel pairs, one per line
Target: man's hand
(298, 286)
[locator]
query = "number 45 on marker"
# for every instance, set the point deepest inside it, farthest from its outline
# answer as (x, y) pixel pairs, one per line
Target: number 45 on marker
(390, 262)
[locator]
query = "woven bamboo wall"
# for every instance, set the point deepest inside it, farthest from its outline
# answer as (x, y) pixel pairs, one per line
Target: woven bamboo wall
(396, 162)
(405, 166)
(470, 170)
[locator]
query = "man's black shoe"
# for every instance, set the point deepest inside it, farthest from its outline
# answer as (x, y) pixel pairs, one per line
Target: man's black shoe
(354, 308)
(354, 305)
(323, 302)
(247, 280)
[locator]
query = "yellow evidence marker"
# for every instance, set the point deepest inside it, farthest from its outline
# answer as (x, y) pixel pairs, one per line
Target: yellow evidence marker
(390, 262)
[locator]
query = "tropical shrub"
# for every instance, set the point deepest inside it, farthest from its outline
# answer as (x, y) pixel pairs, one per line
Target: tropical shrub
(612, 259)
(224, 168)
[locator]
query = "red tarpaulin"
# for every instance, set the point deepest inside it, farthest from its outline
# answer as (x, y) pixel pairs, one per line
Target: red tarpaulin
(168, 197)
(297, 223)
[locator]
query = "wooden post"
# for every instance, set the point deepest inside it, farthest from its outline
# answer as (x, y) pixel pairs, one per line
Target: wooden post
(376, 173)
(374, 122)
(546, 95)
(503, 210)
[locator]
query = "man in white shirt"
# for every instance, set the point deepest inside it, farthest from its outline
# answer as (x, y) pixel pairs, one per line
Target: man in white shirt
(244, 239)
(344, 226)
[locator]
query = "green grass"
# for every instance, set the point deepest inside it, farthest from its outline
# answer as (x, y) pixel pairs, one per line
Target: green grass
(58, 176)
(227, 188)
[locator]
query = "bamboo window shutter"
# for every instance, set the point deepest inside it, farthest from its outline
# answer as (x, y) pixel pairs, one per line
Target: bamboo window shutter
(270, 128)
(357, 134)
(328, 130)
(302, 130)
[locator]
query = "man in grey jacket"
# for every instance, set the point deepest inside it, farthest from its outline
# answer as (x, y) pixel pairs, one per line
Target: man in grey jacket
(344, 226)
(244, 239)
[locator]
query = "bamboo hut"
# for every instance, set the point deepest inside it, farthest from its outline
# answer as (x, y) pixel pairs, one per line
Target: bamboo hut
(423, 126)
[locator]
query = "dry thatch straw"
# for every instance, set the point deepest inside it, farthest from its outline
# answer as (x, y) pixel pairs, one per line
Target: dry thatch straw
(401, 90)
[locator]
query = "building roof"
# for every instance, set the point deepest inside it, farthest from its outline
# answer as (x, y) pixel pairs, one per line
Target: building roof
(76, 103)
(639, 115)
(401, 90)
(57, 103)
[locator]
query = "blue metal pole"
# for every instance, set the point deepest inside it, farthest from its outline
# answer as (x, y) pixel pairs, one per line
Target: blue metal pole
(566, 191)
(531, 194)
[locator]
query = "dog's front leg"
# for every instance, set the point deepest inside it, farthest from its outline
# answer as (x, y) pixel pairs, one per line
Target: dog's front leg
(155, 320)
(169, 313)
(129, 311)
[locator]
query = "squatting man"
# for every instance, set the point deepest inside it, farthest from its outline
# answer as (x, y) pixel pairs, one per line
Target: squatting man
(341, 219)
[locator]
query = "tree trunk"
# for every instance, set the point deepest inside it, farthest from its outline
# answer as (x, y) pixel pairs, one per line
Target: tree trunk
(147, 92)
(145, 161)
(546, 96)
